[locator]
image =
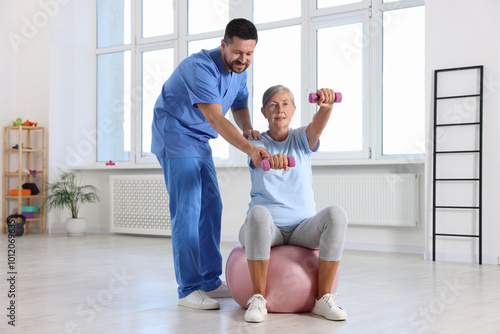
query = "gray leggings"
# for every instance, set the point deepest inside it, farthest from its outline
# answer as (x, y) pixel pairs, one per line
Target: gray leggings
(324, 231)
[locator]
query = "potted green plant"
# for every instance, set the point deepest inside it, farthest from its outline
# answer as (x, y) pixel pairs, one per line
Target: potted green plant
(67, 193)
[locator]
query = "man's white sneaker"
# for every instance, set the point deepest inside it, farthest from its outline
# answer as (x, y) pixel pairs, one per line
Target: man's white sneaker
(221, 292)
(199, 300)
(328, 308)
(257, 310)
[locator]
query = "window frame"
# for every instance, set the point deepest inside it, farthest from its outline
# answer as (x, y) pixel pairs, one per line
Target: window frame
(312, 19)
(328, 21)
(409, 157)
(376, 94)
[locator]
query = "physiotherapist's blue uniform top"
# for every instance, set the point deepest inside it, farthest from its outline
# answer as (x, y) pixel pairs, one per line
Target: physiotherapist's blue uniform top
(288, 195)
(179, 128)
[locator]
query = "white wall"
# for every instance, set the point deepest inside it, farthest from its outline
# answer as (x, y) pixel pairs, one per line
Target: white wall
(72, 101)
(24, 59)
(72, 82)
(462, 33)
(8, 66)
(8, 62)
(24, 28)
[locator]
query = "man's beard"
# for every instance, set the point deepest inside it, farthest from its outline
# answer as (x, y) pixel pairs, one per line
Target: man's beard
(231, 65)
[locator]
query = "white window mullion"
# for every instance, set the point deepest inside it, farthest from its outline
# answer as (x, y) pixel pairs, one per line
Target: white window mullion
(136, 101)
(135, 89)
(182, 28)
(337, 9)
(311, 7)
(374, 103)
(177, 24)
(243, 9)
(308, 61)
(136, 21)
(112, 49)
(279, 24)
(400, 4)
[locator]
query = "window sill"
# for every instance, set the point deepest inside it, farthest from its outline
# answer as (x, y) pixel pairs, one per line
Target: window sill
(369, 162)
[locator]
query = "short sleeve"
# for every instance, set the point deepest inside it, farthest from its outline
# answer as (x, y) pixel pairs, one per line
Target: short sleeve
(201, 82)
(304, 142)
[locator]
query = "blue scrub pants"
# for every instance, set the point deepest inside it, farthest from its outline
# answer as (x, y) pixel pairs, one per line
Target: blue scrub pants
(195, 212)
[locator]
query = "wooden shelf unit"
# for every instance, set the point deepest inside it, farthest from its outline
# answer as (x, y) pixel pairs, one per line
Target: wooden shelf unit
(25, 154)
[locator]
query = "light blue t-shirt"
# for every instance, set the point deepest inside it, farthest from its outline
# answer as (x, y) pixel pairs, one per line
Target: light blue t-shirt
(288, 195)
(179, 129)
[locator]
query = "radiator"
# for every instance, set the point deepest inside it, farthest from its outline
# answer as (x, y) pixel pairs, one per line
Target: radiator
(139, 205)
(377, 199)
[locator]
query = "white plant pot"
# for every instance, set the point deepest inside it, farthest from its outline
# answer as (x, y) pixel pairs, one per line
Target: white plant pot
(76, 227)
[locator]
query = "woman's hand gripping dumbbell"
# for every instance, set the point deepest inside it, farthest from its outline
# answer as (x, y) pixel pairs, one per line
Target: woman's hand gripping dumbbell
(266, 165)
(313, 97)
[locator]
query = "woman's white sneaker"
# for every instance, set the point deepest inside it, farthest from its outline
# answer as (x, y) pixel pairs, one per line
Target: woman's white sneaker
(328, 308)
(257, 310)
(199, 300)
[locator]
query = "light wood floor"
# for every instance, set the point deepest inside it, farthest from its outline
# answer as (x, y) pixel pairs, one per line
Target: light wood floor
(125, 284)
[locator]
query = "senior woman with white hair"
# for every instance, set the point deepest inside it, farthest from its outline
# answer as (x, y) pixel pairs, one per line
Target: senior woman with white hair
(282, 209)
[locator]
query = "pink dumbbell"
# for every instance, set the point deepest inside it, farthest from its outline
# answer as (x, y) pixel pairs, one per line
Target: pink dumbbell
(313, 98)
(266, 165)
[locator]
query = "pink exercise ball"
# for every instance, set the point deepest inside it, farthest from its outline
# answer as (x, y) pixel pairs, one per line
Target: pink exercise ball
(292, 279)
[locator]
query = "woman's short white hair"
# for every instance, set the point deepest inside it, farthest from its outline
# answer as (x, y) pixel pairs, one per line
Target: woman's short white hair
(271, 91)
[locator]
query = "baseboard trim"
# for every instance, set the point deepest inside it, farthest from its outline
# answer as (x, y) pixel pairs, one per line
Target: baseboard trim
(464, 258)
(385, 248)
(90, 230)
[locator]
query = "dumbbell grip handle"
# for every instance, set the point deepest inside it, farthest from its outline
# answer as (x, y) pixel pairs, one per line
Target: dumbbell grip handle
(313, 97)
(266, 165)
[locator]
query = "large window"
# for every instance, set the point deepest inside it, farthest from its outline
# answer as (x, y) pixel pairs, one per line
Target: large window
(372, 51)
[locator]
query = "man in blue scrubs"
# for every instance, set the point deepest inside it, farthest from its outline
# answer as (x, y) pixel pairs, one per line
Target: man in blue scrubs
(188, 113)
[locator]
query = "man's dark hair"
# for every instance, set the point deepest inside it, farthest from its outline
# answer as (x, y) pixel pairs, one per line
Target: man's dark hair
(241, 28)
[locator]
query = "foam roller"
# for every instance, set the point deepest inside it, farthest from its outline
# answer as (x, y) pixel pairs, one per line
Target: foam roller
(266, 165)
(313, 97)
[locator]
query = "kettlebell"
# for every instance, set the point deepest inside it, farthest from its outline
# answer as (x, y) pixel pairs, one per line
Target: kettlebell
(18, 226)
